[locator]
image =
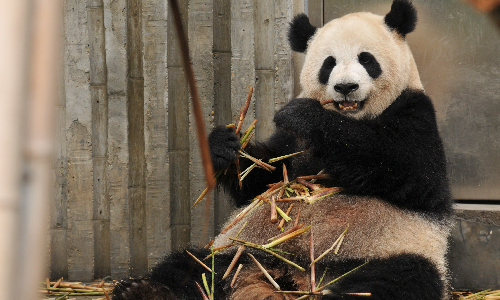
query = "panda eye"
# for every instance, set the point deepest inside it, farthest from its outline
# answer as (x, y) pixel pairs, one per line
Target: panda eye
(365, 58)
(370, 63)
(326, 69)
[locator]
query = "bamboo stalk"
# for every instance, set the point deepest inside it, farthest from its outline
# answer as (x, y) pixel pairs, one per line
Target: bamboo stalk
(297, 218)
(256, 246)
(58, 282)
(105, 294)
(236, 275)
(272, 160)
(213, 275)
(285, 175)
(274, 215)
(202, 292)
(240, 216)
(205, 283)
(318, 176)
(282, 222)
(238, 170)
(245, 143)
(331, 248)
(283, 215)
(359, 294)
(296, 227)
(322, 193)
(198, 113)
(243, 112)
(333, 281)
(309, 185)
(234, 261)
(299, 293)
(338, 245)
(313, 266)
(258, 162)
(199, 261)
(207, 246)
(286, 237)
(265, 272)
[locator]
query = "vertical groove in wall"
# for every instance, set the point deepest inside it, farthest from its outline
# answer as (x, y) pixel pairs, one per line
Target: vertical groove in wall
(264, 67)
(137, 164)
(178, 135)
(99, 99)
(222, 91)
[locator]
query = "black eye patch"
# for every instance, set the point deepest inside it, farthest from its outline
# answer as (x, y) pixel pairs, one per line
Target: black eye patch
(371, 65)
(326, 69)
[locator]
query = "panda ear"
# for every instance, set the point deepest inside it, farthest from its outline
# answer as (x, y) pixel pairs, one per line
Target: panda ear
(402, 17)
(300, 32)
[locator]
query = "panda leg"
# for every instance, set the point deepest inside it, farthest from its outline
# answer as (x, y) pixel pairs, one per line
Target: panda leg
(174, 278)
(406, 276)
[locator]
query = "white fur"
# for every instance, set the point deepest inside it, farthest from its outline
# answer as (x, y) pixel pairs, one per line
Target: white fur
(344, 39)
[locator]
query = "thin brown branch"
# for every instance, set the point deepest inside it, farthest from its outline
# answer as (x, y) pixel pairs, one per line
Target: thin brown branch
(297, 218)
(199, 261)
(313, 266)
(274, 214)
(236, 274)
(198, 113)
(259, 162)
(243, 112)
(282, 222)
(265, 272)
(234, 261)
(202, 292)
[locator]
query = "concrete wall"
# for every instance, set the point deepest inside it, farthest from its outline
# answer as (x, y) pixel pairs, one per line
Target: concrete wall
(128, 166)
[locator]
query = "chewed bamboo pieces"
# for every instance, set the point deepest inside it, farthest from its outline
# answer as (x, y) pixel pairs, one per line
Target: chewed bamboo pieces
(265, 272)
(234, 261)
(336, 243)
(320, 289)
(65, 289)
(199, 261)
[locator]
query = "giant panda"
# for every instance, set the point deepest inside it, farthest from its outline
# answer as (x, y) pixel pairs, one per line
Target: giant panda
(378, 140)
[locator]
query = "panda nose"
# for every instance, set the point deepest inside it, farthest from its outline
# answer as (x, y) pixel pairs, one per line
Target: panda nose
(347, 88)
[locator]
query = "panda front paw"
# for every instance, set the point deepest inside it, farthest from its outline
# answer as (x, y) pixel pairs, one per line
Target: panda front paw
(301, 116)
(223, 146)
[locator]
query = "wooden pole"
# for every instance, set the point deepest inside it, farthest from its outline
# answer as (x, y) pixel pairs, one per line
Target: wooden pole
(136, 141)
(178, 135)
(264, 67)
(99, 99)
(222, 91)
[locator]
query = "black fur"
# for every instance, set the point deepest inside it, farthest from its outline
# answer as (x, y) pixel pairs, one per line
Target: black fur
(402, 17)
(405, 276)
(326, 69)
(370, 63)
(300, 32)
(223, 146)
(409, 277)
(397, 156)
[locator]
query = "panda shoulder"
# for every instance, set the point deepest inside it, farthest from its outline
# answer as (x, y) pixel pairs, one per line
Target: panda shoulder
(412, 103)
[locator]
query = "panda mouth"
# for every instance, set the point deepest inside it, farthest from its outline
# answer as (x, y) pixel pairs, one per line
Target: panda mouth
(349, 106)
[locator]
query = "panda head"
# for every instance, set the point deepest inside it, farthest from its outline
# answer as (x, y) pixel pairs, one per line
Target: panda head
(360, 60)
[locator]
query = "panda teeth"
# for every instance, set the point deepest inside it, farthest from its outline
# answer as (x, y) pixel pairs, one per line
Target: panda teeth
(347, 107)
